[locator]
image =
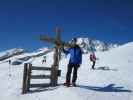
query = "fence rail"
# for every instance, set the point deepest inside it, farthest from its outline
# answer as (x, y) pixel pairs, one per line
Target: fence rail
(40, 76)
(40, 68)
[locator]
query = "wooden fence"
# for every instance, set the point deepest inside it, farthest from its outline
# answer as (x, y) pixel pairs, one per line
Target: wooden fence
(27, 76)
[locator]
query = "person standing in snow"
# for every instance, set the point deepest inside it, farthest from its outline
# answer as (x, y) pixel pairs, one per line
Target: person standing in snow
(44, 59)
(9, 61)
(93, 59)
(74, 62)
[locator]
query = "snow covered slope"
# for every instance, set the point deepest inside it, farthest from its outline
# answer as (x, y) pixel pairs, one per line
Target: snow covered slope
(112, 79)
(9, 53)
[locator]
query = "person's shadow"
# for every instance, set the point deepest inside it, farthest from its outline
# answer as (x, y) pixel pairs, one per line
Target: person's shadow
(105, 68)
(108, 88)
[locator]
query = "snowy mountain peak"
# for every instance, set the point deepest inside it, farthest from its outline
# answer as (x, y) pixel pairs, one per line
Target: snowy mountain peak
(88, 44)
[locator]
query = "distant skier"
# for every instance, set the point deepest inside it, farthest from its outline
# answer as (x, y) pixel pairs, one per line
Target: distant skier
(74, 62)
(44, 59)
(9, 61)
(93, 59)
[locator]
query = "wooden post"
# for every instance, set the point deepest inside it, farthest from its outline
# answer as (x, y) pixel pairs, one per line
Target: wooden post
(54, 68)
(29, 76)
(57, 41)
(26, 78)
(24, 87)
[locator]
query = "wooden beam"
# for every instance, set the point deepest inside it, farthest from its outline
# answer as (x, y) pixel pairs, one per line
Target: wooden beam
(46, 38)
(40, 76)
(40, 68)
(39, 85)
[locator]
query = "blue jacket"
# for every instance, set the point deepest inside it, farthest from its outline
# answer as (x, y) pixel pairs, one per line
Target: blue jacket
(75, 55)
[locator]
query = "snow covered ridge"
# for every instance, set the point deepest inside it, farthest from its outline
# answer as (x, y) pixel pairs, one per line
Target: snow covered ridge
(19, 56)
(30, 56)
(9, 53)
(87, 43)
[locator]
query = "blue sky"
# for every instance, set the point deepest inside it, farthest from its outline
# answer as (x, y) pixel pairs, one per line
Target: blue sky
(22, 21)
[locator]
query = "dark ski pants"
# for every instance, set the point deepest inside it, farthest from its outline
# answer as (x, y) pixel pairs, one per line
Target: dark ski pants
(93, 65)
(69, 71)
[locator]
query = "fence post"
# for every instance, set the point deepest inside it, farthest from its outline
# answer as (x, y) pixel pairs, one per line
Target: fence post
(29, 76)
(24, 85)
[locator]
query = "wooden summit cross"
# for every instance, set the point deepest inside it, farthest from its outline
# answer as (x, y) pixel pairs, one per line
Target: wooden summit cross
(57, 41)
